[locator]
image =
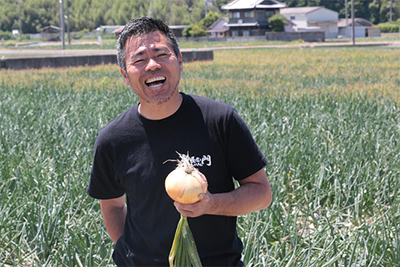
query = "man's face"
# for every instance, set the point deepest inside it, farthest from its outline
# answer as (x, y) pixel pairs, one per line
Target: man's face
(152, 68)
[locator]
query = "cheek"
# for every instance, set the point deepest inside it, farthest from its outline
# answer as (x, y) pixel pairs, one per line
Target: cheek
(127, 82)
(131, 77)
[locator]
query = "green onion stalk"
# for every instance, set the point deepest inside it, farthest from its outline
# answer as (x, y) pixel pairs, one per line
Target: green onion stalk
(184, 251)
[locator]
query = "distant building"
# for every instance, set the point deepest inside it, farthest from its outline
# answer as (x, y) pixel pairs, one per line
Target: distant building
(50, 33)
(250, 17)
(362, 28)
(313, 19)
(105, 29)
(176, 29)
(219, 29)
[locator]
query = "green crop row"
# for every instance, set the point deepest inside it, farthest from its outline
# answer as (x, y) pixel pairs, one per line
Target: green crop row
(328, 120)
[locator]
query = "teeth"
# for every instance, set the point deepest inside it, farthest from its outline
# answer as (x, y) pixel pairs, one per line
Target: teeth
(155, 79)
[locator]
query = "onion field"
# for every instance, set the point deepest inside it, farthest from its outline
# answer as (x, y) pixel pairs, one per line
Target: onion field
(328, 120)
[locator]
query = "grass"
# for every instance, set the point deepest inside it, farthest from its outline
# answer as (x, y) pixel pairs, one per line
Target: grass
(109, 42)
(327, 119)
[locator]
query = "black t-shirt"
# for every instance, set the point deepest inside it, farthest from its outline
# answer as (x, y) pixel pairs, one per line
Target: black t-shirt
(130, 158)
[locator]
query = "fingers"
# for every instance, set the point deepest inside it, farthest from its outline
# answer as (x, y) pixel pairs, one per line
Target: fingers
(193, 210)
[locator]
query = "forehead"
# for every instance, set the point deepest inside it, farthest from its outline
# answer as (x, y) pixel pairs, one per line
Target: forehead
(150, 40)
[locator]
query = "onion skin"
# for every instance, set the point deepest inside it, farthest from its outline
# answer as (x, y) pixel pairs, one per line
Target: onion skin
(185, 183)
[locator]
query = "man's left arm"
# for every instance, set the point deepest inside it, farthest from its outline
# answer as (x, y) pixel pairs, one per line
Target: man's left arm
(254, 193)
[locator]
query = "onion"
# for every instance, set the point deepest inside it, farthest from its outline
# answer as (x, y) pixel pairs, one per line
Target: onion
(185, 183)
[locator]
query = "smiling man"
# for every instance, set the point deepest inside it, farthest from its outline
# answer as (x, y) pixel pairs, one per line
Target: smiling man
(132, 153)
(153, 71)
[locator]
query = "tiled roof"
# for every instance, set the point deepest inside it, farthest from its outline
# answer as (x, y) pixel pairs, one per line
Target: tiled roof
(357, 22)
(250, 4)
(299, 10)
(219, 26)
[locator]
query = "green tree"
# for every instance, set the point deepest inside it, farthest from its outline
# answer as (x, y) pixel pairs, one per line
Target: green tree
(90, 14)
(8, 14)
(374, 8)
(219, 3)
(278, 22)
(209, 19)
(197, 31)
(38, 14)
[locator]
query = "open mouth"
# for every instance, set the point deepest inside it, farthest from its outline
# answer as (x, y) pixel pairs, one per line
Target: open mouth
(155, 82)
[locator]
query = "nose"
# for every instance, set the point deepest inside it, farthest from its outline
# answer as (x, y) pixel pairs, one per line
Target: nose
(152, 65)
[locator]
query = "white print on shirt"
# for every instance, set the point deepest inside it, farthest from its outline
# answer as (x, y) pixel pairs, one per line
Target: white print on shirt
(201, 161)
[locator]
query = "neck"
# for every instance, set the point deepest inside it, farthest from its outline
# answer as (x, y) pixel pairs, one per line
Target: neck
(160, 111)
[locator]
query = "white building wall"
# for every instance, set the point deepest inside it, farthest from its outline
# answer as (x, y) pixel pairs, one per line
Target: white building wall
(323, 14)
(329, 19)
(299, 20)
(321, 19)
(289, 28)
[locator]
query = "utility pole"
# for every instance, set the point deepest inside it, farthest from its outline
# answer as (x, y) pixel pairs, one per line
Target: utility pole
(69, 33)
(347, 19)
(205, 8)
(170, 12)
(352, 23)
(19, 19)
(62, 23)
(391, 8)
(151, 9)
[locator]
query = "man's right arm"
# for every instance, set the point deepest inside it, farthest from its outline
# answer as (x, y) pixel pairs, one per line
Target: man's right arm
(114, 214)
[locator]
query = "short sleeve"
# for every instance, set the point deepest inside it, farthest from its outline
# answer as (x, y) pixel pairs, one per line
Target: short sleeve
(244, 157)
(102, 183)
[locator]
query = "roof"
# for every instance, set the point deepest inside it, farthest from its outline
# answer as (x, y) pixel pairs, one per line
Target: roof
(50, 29)
(251, 24)
(251, 4)
(358, 22)
(219, 26)
(172, 27)
(299, 10)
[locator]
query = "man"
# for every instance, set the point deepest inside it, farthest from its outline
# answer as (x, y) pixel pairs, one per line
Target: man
(130, 167)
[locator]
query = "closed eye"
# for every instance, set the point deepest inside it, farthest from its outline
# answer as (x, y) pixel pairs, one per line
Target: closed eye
(138, 61)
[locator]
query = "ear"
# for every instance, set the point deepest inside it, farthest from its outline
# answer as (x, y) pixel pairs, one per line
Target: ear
(180, 62)
(125, 76)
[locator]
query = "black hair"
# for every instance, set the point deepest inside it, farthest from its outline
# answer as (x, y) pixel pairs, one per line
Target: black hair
(142, 26)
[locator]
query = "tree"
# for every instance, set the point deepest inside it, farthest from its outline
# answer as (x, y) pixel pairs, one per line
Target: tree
(278, 22)
(8, 14)
(197, 31)
(90, 14)
(208, 20)
(374, 8)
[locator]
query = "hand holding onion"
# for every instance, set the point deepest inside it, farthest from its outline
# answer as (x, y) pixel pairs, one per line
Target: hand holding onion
(184, 185)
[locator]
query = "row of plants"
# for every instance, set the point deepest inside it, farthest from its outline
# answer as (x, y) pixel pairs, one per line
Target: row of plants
(327, 121)
(389, 27)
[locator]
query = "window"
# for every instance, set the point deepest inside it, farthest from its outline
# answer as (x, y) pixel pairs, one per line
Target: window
(246, 33)
(235, 33)
(269, 14)
(236, 15)
(248, 14)
(292, 17)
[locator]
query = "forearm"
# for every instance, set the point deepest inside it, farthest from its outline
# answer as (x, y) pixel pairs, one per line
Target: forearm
(244, 199)
(114, 218)
(253, 194)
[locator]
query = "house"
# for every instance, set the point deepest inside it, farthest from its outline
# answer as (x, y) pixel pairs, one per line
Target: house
(250, 17)
(176, 29)
(290, 26)
(106, 29)
(313, 19)
(50, 33)
(362, 28)
(218, 29)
